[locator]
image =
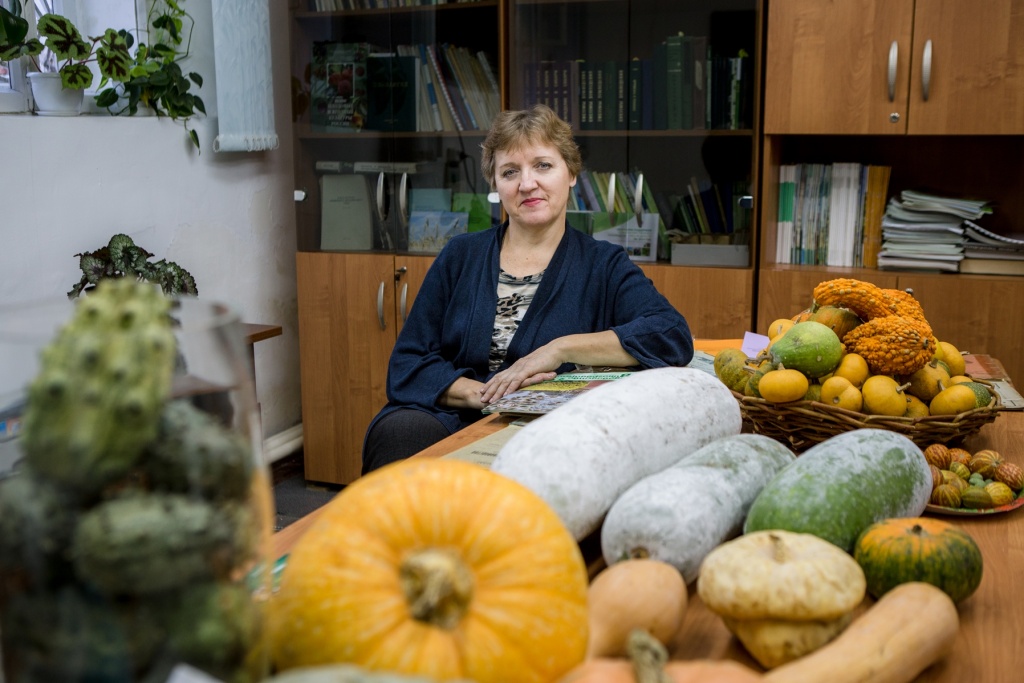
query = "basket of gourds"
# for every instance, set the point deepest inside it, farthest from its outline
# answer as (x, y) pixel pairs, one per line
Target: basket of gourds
(860, 357)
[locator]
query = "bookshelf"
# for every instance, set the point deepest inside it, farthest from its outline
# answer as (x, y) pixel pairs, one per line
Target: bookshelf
(615, 70)
(358, 273)
(827, 100)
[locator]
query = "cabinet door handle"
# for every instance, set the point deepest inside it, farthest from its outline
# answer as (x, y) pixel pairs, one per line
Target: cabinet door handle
(926, 69)
(894, 52)
(380, 306)
(404, 300)
(403, 199)
(610, 199)
(382, 212)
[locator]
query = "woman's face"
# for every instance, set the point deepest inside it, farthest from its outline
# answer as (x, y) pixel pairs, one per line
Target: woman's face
(533, 183)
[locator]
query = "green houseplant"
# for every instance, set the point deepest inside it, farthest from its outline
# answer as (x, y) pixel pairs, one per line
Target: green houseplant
(155, 79)
(121, 257)
(72, 51)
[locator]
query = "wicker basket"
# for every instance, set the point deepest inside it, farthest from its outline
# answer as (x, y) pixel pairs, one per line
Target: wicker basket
(802, 424)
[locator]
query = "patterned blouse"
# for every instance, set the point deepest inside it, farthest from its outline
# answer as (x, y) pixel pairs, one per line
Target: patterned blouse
(514, 297)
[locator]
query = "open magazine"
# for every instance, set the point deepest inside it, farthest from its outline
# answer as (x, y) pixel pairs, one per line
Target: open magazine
(543, 397)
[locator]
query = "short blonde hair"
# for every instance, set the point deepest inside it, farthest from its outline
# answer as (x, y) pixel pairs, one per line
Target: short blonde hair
(512, 130)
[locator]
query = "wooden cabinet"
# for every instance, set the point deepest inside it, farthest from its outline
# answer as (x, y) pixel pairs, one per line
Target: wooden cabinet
(716, 302)
(895, 67)
(351, 307)
(826, 100)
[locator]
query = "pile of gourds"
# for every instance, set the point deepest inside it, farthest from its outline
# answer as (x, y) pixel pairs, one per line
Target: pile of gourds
(440, 570)
(860, 348)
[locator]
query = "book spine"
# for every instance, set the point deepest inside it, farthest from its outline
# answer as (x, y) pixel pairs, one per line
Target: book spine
(436, 67)
(461, 86)
(700, 79)
(647, 94)
(456, 89)
(686, 71)
(636, 97)
(674, 82)
(659, 115)
(435, 110)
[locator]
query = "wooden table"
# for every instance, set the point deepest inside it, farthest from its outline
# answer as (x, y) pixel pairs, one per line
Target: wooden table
(990, 645)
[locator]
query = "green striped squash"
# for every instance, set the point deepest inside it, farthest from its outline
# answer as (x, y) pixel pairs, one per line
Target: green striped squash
(901, 550)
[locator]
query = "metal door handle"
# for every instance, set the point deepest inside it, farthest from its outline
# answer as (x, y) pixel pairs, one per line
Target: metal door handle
(403, 199)
(638, 205)
(926, 69)
(894, 51)
(404, 300)
(380, 306)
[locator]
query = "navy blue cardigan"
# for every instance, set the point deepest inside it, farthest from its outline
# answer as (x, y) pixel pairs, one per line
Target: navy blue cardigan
(589, 286)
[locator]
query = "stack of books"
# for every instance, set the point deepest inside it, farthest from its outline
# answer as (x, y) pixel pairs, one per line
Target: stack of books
(988, 253)
(926, 232)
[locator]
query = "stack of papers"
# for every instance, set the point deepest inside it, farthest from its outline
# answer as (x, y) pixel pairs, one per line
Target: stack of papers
(926, 232)
(988, 253)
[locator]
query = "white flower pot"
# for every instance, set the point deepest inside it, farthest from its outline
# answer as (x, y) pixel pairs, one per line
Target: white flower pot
(51, 98)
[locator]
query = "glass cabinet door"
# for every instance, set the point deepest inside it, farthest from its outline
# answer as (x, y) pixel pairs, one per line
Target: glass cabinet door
(661, 94)
(390, 106)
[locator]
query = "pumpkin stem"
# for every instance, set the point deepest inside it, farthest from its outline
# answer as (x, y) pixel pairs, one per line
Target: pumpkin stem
(779, 551)
(437, 586)
(648, 656)
(639, 554)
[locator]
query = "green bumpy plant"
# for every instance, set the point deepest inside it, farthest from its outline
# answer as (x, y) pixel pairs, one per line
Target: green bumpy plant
(151, 543)
(122, 258)
(71, 50)
(194, 454)
(95, 403)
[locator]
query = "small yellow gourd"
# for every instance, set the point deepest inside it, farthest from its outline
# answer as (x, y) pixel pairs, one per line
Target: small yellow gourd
(840, 393)
(884, 396)
(782, 386)
(952, 401)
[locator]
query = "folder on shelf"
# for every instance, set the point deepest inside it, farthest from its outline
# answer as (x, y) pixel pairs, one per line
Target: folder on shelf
(345, 213)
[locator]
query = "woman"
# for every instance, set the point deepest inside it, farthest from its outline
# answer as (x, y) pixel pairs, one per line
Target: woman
(514, 305)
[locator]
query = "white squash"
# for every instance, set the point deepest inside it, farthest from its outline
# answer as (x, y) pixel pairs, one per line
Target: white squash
(682, 513)
(581, 456)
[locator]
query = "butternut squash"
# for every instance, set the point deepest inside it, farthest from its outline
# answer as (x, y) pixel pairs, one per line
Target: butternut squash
(635, 593)
(897, 638)
(648, 663)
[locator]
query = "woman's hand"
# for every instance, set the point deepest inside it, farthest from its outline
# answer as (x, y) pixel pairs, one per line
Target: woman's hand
(535, 367)
(464, 393)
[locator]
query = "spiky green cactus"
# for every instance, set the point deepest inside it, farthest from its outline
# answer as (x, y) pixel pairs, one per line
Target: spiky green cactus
(196, 454)
(103, 380)
(146, 544)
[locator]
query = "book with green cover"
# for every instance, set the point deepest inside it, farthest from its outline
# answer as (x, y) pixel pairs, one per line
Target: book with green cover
(392, 92)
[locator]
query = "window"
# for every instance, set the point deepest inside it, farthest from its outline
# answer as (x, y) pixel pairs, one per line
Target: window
(91, 17)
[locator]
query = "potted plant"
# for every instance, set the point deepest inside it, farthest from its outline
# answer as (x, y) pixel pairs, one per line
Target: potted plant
(121, 257)
(155, 80)
(72, 54)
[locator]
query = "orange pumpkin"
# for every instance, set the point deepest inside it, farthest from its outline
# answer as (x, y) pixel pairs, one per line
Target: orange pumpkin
(435, 568)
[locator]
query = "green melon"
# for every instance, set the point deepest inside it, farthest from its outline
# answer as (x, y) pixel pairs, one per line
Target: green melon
(810, 347)
(843, 485)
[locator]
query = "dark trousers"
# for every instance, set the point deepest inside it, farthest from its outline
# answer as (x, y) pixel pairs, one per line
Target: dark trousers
(398, 435)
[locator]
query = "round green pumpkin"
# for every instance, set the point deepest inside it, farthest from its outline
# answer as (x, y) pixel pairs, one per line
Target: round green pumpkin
(901, 550)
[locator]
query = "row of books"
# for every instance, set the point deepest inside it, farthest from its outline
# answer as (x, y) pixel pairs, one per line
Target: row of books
(337, 5)
(683, 86)
(423, 87)
(831, 214)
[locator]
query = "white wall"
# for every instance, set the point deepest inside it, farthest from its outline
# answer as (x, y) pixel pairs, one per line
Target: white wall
(68, 184)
